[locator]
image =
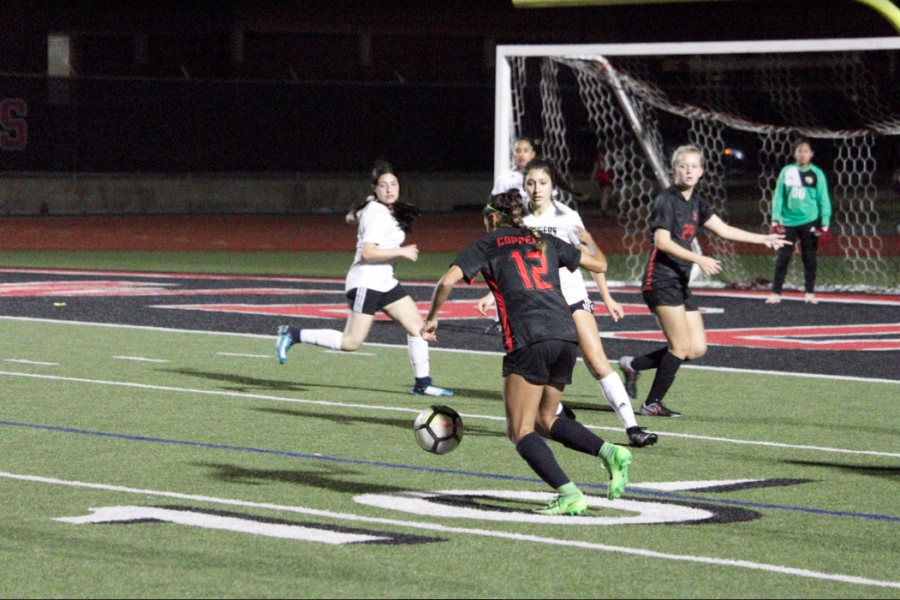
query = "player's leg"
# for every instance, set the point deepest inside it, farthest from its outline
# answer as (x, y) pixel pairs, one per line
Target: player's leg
(782, 262)
(633, 365)
(674, 323)
(355, 333)
(809, 246)
(607, 379)
(526, 372)
(522, 400)
(405, 312)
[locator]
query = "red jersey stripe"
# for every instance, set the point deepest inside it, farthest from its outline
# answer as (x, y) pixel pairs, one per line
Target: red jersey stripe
(501, 314)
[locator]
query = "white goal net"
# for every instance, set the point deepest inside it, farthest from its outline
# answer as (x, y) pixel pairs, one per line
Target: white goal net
(744, 104)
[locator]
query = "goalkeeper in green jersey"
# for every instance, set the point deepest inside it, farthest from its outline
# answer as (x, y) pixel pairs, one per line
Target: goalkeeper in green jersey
(801, 210)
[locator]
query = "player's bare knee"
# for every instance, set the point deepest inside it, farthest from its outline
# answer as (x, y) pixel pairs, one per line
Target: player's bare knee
(696, 352)
(350, 344)
(682, 351)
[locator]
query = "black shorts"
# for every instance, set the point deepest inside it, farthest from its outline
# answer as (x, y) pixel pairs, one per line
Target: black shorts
(585, 304)
(670, 296)
(550, 361)
(368, 302)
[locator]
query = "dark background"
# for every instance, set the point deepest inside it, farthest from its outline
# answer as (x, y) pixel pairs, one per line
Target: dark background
(268, 87)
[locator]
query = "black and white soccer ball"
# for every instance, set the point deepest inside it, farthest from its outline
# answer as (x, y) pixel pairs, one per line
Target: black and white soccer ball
(438, 429)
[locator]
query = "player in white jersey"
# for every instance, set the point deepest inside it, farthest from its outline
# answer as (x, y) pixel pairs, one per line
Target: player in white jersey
(371, 286)
(523, 153)
(550, 217)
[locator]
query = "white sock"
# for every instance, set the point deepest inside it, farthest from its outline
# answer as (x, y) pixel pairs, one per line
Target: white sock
(326, 338)
(418, 356)
(614, 391)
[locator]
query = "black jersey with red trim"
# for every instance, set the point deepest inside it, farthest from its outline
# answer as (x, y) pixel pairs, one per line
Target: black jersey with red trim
(525, 283)
(682, 218)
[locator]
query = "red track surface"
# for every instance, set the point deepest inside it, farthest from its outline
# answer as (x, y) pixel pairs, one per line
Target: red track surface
(253, 233)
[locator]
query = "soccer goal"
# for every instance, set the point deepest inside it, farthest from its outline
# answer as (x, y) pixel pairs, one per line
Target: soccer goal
(744, 104)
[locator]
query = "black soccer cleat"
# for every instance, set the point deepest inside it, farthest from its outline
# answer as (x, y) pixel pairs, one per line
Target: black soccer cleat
(640, 438)
(657, 409)
(631, 376)
(493, 328)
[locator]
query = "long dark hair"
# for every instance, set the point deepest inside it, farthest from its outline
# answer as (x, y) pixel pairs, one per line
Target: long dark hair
(558, 180)
(508, 208)
(403, 212)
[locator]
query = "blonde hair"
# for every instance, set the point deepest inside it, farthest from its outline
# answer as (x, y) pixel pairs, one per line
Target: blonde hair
(687, 149)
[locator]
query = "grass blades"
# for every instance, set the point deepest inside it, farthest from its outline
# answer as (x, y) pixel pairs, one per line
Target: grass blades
(221, 428)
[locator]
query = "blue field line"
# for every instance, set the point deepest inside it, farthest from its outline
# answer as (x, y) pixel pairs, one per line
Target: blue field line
(369, 463)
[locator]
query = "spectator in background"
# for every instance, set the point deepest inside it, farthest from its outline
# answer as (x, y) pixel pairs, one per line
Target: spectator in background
(602, 177)
(801, 210)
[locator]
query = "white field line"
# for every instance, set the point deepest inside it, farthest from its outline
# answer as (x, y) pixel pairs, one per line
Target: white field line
(342, 353)
(30, 362)
(141, 359)
(240, 355)
(325, 514)
(432, 348)
(160, 388)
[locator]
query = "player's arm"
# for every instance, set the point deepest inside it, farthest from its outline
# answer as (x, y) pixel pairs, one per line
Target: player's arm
(662, 239)
(614, 308)
(778, 198)
(824, 201)
(441, 292)
(588, 244)
(728, 232)
(372, 253)
(594, 264)
(485, 302)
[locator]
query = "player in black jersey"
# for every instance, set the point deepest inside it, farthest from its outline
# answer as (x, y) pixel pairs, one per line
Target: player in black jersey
(678, 213)
(522, 270)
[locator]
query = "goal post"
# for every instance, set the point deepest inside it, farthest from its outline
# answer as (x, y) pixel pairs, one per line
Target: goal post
(743, 104)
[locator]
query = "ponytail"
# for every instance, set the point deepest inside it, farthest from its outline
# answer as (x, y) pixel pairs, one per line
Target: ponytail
(508, 207)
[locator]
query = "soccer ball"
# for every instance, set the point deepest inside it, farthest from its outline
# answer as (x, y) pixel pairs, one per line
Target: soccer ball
(438, 429)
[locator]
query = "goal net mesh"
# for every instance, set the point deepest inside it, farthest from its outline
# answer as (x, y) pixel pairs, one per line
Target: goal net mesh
(744, 111)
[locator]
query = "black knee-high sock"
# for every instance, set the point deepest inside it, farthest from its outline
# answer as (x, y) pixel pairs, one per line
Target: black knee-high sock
(540, 458)
(576, 436)
(665, 375)
(649, 361)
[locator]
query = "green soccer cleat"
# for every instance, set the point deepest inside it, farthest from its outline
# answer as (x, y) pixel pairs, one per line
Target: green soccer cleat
(564, 505)
(616, 461)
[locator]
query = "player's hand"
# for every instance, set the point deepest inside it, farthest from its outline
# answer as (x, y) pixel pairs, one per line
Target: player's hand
(429, 330)
(709, 266)
(776, 228)
(351, 218)
(410, 252)
(485, 303)
(823, 235)
(584, 236)
(614, 309)
(776, 241)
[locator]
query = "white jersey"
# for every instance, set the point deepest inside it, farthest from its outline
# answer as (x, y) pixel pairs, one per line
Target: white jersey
(560, 221)
(377, 225)
(509, 180)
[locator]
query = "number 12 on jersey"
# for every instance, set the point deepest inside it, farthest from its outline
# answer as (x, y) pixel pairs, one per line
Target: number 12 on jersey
(531, 273)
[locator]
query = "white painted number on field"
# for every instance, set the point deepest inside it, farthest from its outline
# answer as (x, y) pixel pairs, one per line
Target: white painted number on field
(435, 505)
(127, 514)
